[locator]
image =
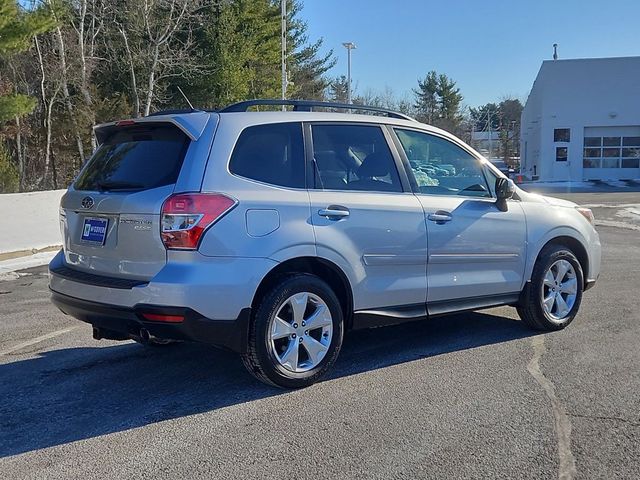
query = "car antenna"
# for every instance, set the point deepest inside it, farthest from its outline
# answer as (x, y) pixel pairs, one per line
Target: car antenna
(186, 98)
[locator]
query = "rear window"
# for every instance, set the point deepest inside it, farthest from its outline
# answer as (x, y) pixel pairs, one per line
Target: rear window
(135, 158)
(272, 153)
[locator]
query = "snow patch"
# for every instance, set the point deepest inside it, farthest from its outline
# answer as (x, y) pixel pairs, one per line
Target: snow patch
(9, 267)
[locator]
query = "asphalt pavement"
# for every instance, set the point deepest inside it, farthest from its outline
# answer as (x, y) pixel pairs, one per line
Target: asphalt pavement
(474, 395)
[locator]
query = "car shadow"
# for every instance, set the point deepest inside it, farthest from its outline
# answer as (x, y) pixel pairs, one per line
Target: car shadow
(65, 395)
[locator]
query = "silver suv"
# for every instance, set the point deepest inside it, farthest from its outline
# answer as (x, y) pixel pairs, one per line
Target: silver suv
(274, 233)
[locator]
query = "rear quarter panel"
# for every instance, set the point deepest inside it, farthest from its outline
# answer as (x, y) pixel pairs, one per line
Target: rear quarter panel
(268, 222)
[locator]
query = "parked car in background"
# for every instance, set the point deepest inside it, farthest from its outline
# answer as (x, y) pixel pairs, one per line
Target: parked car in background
(504, 168)
(274, 233)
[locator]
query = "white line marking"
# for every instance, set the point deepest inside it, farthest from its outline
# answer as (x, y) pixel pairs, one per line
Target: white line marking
(42, 338)
(567, 469)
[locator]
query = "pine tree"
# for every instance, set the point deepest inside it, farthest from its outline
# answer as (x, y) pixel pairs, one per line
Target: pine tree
(426, 98)
(338, 89)
(240, 47)
(17, 28)
(480, 117)
(449, 99)
(438, 101)
(306, 66)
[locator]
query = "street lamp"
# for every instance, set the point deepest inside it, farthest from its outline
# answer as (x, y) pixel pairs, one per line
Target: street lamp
(283, 47)
(349, 46)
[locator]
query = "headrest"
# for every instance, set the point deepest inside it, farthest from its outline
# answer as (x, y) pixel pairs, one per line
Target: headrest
(376, 164)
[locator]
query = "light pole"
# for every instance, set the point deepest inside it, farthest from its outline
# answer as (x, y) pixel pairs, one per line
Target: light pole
(489, 126)
(283, 45)
(349, 46)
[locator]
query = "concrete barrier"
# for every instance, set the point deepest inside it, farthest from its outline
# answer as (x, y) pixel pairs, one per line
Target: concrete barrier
(29, 221)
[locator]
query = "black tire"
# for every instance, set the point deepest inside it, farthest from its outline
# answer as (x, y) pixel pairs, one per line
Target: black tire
(530, 308)
(260, 359)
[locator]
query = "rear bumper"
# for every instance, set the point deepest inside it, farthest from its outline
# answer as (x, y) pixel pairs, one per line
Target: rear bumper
(126, 322)
(217, 288)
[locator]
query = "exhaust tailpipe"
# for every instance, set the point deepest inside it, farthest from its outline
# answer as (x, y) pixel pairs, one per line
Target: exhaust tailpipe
(145, 336)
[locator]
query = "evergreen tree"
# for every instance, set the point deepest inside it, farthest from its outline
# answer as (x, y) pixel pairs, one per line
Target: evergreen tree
(306, 66)
(241, 50)
(438, 101)
(449, 100)
(503, 118)
(426, 98)
(338, 89)
(480, 117)
(17, 28)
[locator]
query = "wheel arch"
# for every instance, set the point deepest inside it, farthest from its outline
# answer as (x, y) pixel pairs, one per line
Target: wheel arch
(573, 244)
(323, 269)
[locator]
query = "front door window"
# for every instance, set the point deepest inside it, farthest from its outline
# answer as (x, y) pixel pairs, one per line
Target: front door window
(441, 167)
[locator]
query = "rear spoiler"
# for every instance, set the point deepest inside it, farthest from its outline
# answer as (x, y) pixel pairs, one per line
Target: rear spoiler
(192, 124)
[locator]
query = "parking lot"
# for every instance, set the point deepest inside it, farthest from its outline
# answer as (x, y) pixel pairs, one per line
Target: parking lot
(474, 395)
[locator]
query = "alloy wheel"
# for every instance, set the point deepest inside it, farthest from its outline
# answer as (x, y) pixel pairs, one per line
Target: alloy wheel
(559, 290)
(300, 332)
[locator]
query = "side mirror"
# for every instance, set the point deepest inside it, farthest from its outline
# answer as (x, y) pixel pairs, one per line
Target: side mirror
(505, 188)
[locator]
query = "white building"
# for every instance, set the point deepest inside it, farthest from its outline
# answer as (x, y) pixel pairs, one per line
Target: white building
(582, 121)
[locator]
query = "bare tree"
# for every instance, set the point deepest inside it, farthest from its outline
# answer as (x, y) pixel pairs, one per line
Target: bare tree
(88, 26)
(48, 80)
(64, 75)
(157, 38)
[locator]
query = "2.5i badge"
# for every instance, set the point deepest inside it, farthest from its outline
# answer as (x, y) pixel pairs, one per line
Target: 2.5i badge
(95, 230)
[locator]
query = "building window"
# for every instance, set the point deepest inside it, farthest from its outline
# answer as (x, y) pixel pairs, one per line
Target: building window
(561, 135)
(611, 152)
(561, 154)
(591, 163)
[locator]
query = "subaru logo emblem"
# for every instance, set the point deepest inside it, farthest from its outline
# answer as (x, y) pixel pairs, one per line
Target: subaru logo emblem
(87, 202)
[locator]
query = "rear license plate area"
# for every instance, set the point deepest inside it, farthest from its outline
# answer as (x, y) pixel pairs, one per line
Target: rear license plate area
(94, 231)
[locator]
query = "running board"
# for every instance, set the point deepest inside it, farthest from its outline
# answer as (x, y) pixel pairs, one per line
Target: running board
(384, 316)
(473, 303)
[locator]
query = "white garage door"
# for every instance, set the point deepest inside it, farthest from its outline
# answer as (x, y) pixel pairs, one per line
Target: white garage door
(611, 153)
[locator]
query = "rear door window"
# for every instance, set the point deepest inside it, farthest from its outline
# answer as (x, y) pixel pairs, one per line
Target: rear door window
(271, 153)
(134, 158)
(353, 157)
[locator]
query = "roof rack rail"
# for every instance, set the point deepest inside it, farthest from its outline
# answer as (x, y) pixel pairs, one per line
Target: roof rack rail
(308, 106)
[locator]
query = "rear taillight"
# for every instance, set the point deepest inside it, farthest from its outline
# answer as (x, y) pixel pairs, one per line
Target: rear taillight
(186, 216)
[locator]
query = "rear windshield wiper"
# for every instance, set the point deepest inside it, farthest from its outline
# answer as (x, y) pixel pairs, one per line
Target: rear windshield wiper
(106, 185)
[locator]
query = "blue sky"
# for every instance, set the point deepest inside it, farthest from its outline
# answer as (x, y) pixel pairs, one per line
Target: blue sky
(491, 48)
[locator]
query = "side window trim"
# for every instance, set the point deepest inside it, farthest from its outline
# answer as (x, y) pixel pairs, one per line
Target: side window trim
(405, 181)
(409, 171)
(309, 161)
(404, 160)
(311, 166)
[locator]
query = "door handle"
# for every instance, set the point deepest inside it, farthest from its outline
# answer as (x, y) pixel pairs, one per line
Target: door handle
(440, 217)
(334, 212)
